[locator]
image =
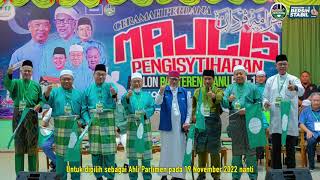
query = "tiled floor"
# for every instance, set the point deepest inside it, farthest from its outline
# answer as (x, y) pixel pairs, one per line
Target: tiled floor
(7, 167)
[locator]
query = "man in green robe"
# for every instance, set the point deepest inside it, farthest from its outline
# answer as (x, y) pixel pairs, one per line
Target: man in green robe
(26, 95)
(98, 110)
(236, 97)
(65, 102)
(206, 113)
(139, 106)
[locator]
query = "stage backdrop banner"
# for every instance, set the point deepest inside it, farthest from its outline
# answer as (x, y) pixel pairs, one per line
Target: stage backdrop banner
(152, 40)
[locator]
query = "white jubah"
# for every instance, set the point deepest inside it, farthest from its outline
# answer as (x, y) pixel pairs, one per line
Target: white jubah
(173, 143)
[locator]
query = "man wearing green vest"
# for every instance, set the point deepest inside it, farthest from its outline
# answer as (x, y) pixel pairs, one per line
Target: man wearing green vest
(206, 113)
(26, 95)
(98, 110)
(236, 97)
(139, 106)
(65, 102)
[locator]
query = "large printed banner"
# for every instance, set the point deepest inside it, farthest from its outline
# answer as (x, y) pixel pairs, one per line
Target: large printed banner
(152, 40)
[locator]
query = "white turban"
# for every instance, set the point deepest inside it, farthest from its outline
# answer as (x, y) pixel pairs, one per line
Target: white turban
(260, 73)
(136, 75)
(239, 68)
(69, 11)
(75, 47)
(66, 72)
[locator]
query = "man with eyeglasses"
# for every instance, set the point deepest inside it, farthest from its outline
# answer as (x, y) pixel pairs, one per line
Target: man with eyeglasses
(283, 87)
(175, 116)
(98, 111)
(39, 27)
(85, 32)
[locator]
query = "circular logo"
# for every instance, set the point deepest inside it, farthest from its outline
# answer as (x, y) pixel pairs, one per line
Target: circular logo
(140, 131)
(109, 10)
(284, 122)
(278, 11)
(255, 125)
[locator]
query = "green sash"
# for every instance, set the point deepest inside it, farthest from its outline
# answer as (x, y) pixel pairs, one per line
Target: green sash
(188, 154)
(73, 149)
(254, 126)
(285, 112)
(22, 118)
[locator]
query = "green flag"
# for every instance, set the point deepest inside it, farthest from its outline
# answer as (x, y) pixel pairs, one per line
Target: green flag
(254, 124)
(267, 115)
(139, 142)
(188, 154)
(22, 118)
(73, 149)
(285, 112)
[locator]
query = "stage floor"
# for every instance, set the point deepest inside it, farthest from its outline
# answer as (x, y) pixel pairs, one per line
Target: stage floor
(7, 167)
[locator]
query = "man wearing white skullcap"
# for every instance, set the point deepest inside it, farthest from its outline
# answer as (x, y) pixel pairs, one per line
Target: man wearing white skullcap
(237, 96)
(139, 106)
(76, 55)
(65, 102)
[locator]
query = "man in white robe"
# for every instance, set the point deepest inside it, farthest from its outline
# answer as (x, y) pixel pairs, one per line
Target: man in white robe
(175, 114)
(282, 87)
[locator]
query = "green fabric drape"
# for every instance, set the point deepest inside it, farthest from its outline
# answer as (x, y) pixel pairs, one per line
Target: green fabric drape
(301, 43)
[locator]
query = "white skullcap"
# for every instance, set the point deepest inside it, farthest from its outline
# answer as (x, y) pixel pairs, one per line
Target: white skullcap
(136, 75)
(238, 68)
(306, 102)
(69, 11)
(260, 73)
(75, 47)
(66, 72)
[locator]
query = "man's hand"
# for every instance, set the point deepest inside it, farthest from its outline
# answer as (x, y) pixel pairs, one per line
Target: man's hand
(231, 98)
(45, 124)
(80, 125)
(162, 89)
(48, 91)
(113, 91)
(211, 94)
(10, 70)
(242, 111)
(267, 105)
(309, 134)
(129, 94)
(186, 127)
(291, 86)
(37, 108)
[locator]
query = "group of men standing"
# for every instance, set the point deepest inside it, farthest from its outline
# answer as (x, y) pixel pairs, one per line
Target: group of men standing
(94, 110)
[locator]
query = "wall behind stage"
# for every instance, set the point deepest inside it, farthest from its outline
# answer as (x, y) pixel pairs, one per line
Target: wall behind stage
(152, 40)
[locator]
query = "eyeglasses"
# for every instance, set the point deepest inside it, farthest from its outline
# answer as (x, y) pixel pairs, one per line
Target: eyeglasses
(64, 21)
